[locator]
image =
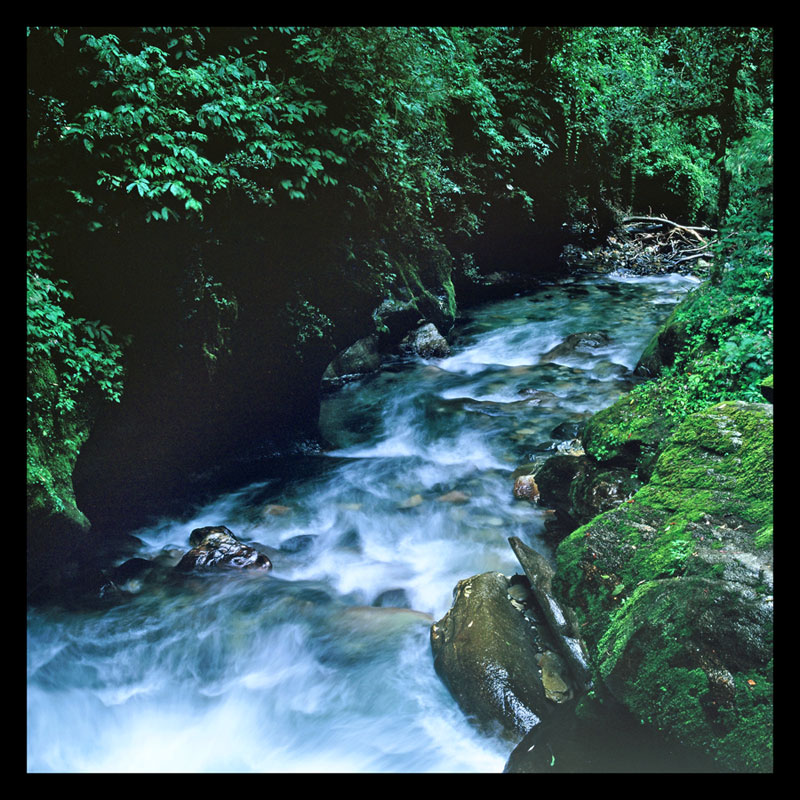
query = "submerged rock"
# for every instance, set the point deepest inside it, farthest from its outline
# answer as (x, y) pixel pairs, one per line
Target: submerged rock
(358, 632)
(217, 547)
(454, 496)
(580, 343)
(298, 544)
(392, 598)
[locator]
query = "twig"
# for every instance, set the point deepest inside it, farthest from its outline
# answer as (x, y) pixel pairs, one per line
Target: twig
(693, 229)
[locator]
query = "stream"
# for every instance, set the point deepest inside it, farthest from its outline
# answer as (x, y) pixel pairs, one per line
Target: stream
(324, 664)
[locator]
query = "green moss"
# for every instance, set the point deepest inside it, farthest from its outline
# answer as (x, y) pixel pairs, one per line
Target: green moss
(674, 695)
(763, 537)
(640, 577)
(766, 388)
(718, 462)
(631, 432)
(54, 438)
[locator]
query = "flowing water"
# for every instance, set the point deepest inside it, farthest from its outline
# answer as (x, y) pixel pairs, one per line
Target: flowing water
(324, 664)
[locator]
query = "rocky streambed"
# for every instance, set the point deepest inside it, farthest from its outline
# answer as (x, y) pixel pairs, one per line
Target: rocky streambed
(296, 616)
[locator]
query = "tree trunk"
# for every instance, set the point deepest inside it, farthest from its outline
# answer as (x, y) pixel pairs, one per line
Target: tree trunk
(727, 122)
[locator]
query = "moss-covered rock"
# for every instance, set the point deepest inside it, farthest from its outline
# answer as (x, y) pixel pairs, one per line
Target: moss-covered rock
(674, 588)
(56, 527)
(631, 432)
(675, 332)
(766, 388)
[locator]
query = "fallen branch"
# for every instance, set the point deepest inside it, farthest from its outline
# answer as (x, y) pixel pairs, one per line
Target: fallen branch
(690, 258)
(693, 229)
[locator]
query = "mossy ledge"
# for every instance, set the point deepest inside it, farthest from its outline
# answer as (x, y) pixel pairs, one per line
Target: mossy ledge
(673, 588)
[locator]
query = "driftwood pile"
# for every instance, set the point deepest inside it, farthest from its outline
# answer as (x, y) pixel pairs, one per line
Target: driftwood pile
(657, 241)
(649, 245)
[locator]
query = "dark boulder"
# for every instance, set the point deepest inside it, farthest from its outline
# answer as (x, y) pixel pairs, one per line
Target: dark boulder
(613, 741)
(359, 359)
(578, 488)
(486, 655)
(217, 547)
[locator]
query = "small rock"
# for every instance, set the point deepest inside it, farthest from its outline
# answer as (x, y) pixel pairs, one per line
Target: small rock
(427, 342)
(454, 497)
(217, 547)
(411, 502)
(525, 488)
(519, 592)
(553, 674)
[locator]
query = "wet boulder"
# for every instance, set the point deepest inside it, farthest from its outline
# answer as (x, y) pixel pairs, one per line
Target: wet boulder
(485, 654)
(216, 547)
(359, 359)
(426, 342)
(525, 488)
(579, 488)
(568, 431)
(561, 622)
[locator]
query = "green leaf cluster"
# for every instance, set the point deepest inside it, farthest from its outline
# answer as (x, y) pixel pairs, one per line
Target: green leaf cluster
(661, 107)
(81, 352)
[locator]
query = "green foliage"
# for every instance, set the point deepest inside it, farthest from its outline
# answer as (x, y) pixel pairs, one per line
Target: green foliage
(367, 160)
(310, 323)
(71, 362)
(728, 348)
(81, 351)
(660, 107)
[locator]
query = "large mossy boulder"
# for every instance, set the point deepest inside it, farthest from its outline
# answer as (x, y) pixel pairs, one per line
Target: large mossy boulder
(631, 432)
(674, 588)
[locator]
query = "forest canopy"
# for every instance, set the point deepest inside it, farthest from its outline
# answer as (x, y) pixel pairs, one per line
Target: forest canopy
(362, 159)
